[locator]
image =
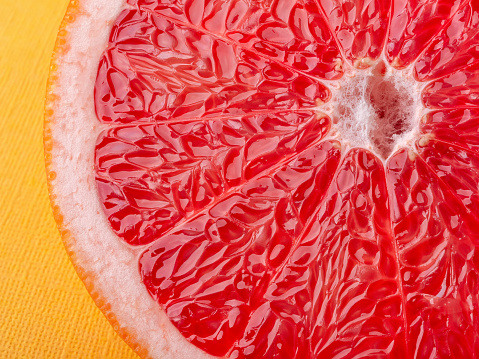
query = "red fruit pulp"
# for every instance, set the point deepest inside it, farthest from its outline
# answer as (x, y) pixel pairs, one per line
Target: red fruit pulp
(263, 236)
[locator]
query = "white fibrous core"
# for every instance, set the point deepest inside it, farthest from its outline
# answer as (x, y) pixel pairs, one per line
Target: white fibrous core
(378, 109)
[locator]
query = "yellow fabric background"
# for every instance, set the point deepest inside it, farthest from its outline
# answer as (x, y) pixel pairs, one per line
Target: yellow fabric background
(45, 311)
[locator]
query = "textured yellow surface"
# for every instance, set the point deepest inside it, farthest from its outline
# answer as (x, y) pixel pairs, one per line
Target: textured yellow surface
(45, 311)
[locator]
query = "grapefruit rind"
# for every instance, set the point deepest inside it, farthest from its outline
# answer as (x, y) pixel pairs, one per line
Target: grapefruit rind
(108, 267)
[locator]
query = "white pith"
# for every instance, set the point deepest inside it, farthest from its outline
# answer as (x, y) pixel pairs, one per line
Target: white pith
(75, 128)
(357, 128)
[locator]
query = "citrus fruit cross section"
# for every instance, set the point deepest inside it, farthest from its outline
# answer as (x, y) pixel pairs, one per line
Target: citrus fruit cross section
(264, 234)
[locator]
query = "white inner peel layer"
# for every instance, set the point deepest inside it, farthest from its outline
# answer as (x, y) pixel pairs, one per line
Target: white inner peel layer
(75, 128)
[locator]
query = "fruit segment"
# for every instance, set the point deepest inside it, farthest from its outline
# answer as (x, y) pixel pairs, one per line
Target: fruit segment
(455, 127)
(296, 264)
(211, 273)
(289, 32)
(413, 25)
(439, 259)
(150, 177)
(339, 287)
(454, 47)
(457, 168)
(359, 26)
(459, 89)
(155, 70)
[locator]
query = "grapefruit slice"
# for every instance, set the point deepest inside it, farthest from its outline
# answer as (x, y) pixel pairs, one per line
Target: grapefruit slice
(274, 178)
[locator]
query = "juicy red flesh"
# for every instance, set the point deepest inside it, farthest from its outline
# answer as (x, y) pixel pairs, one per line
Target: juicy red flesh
(152, 176)
(261, 238)
(360, 26)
